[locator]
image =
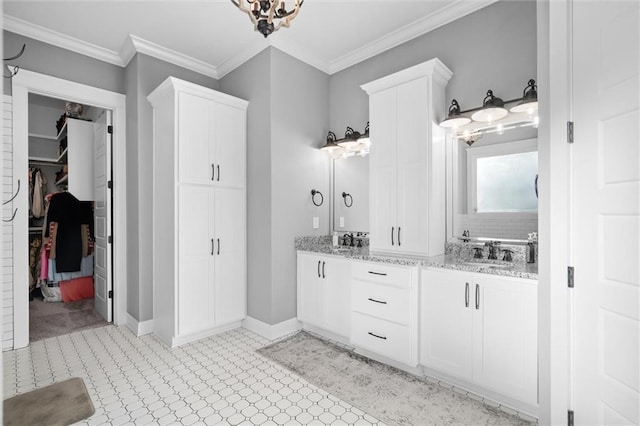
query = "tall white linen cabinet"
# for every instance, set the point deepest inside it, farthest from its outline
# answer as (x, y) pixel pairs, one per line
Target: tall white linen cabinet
(199, 211)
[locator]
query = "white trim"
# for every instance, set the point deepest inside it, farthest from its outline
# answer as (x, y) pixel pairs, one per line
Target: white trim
(441, 17)
(139, 328)
(173, 57)
(26, 82)
(181, 340)
(274, 331)
(55, 38)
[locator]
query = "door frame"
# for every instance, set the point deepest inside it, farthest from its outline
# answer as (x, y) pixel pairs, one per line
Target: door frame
(24, 83)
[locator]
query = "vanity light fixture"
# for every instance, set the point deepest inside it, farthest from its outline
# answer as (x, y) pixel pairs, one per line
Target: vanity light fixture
(364, 138)
(529, 102)
(492, 109)
(331, 144)
(268, 16)
(454, 119)
(350, 139)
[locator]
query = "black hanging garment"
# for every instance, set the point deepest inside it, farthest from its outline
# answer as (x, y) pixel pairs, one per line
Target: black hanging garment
(69, 213)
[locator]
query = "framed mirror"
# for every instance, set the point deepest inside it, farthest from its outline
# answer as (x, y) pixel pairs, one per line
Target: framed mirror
(492, 187)
(350, 194)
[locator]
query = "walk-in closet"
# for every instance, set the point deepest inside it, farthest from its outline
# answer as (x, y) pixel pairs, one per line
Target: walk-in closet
(67, 184)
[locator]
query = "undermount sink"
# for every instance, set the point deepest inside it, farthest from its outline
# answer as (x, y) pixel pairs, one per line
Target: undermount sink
(487, 265)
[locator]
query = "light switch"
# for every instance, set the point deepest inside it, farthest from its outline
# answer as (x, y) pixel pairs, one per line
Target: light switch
(341, 222)
(316, 222)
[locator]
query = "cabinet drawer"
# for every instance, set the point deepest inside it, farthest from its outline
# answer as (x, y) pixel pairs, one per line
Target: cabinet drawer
(381, 273)
(381, 301)
(382, 337)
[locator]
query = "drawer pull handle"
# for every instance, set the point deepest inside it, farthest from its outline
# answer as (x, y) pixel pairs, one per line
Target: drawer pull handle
(318, 269)
(477, 296)
(323, 276)
(466, 295)
(378, 301)
(379, 337)
(393, 229)
(378, 273)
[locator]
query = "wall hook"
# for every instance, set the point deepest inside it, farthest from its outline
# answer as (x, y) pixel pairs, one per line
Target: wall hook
(11, 58)
(315, 192)
(348, 202)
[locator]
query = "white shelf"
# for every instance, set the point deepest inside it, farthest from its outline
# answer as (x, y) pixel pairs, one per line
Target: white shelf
(53, 161)
(39, 136)
(62, 131)
(62, 180)
(63, 156)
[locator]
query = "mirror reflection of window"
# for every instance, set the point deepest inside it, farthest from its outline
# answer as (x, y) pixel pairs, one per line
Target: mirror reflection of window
(507, 183)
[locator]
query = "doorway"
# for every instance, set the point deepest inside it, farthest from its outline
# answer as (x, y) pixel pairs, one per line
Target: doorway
(30, 83)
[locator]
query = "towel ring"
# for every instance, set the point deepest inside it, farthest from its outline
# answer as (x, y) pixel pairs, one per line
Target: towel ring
(313, 197)
(344, 198)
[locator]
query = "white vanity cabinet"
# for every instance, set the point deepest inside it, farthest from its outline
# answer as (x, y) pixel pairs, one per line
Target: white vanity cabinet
(384, 310)
(199, 211)
(407, 159)
(481, 329)
(323, 292)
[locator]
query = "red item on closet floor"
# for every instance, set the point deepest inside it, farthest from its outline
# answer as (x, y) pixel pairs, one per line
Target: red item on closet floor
(77, 289)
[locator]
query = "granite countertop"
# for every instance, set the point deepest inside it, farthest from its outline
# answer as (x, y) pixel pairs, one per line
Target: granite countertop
(323, 245)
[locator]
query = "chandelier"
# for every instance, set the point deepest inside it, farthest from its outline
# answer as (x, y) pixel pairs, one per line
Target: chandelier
(268, 15)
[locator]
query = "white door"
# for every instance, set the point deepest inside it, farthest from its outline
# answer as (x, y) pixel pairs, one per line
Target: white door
(195, 253)
(102, 212)
(505, 338)
(195, 139)
(310, 289)
(230, 155)
(606, 212)
(446, 304)
(413, 140)
(229, 255)
(382, 171)
(336, 296)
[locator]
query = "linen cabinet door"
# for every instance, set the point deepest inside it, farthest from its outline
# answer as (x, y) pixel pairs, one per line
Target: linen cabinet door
(413, 140)
(229, 155)
(195, 139)
(505, 337)
(229, 254)
(382, 172)
(446, 304)
(195, 259)
(336, 295)
(310, 289)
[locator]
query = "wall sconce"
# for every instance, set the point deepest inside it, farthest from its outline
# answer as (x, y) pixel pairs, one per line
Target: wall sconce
(353, 143)
(492, 116)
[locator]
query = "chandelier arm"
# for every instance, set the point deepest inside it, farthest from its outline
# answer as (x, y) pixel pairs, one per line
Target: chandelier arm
(272, 10)
(286, 21)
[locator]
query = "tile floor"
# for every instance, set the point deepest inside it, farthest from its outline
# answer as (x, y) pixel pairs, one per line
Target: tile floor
(218, 380)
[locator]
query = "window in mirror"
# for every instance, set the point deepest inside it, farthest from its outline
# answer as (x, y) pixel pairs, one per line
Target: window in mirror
(502, 177)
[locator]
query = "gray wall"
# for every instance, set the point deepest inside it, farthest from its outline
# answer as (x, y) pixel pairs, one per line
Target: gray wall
(493, 48)
(287, 121)
(149, 74)
(55, 61)
(251, 81)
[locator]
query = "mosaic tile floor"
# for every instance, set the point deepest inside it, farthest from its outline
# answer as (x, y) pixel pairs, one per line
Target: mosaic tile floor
(218, 380)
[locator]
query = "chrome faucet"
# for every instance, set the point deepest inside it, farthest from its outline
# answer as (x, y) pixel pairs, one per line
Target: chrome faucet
(494, 247)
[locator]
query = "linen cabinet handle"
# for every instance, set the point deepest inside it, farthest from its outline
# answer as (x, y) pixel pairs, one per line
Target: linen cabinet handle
(213, 172)
(399, 236)
(466, 295)
(375, 335)
(392, 231)
(319, 268)
(212, 244)
(218, 246)
(218, 168)
(477, 296)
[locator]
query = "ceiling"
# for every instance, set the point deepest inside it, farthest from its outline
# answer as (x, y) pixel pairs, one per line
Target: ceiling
(213, 37)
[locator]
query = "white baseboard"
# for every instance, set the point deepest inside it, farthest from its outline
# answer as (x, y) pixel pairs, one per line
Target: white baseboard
(274, 331)
(139, 328)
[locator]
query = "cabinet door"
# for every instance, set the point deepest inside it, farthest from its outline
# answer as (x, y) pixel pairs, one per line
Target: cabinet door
(195, 259)
(310, 289)
(195, 139)
(229, 156)
(505, 336)
(229, 242)
(382, 171)
(80, 158)
(336, 296)
(446, 322)
(412, 163)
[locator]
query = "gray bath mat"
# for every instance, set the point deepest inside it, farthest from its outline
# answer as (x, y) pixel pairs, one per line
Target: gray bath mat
(391, 395)
(61, 403)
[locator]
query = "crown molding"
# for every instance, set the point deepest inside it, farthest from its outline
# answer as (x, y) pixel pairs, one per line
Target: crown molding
(241, 57)
(55, 38)
(291, 47)
(422, 26)
(171, 56)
